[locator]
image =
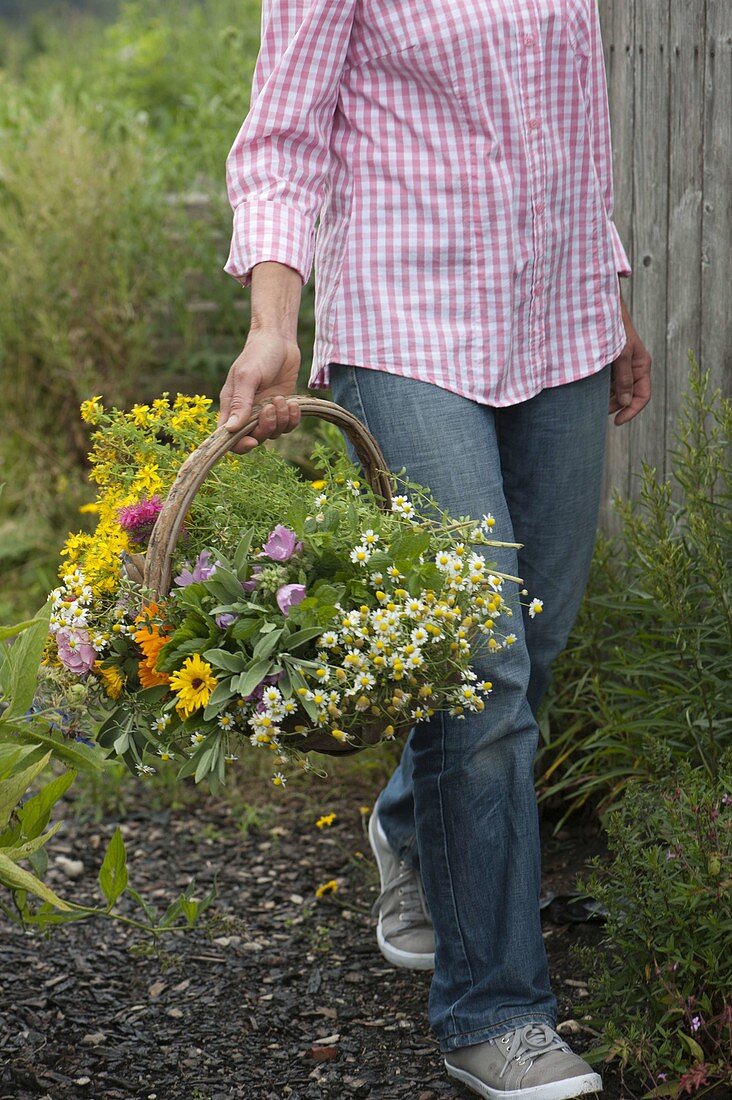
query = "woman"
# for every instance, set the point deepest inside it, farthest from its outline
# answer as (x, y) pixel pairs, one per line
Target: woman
(468, 310)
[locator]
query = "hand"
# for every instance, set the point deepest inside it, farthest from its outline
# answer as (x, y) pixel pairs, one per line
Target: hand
(265, 373)
(630, 388)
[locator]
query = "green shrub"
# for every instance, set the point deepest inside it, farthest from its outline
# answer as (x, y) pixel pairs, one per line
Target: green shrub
(650, 655)
(662, 991)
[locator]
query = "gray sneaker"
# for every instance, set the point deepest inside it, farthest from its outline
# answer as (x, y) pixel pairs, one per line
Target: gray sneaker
(404, 930)
(530, 1063)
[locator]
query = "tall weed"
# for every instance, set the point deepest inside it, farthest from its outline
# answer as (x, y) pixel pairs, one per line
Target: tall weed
(649, 660)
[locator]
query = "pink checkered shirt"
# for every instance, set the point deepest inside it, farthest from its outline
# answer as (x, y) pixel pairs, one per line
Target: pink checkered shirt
(457, 155)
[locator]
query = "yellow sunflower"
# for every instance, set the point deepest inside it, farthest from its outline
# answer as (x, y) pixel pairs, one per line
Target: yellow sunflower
(193, 684)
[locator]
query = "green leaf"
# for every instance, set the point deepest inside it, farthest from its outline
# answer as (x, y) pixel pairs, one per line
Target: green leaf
(300, 637)
(25, 850)
(18, 879)
(76, 755)
(34, 814)
(247, 681)
(113, 872)
(13, 789)
(220, 696)
(11, 631)
(267, 644)
(24, 659)
(694, 1049)
(242, 553)
(148, 909)
(221, 658)
(244, 629)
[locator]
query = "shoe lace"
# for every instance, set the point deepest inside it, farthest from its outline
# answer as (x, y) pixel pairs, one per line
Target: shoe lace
(412, 904)
(530, 1042)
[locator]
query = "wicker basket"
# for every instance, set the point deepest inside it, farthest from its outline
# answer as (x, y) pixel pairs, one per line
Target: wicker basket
(154, 569)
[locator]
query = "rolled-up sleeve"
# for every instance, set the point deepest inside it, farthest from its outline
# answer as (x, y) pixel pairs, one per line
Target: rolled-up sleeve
(277, 167)
(596, 92)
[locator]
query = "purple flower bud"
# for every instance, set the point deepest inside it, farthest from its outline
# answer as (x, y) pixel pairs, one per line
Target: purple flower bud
(251, 584)
(225, 620)
(202, 570)
(696, 1023)
(290, 595)
(282, 544)
(139, 519)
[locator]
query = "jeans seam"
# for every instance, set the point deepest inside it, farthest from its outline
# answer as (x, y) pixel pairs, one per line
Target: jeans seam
(362, 410)
(447, 861)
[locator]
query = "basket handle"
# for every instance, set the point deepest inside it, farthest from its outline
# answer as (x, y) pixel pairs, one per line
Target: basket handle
(195, 469)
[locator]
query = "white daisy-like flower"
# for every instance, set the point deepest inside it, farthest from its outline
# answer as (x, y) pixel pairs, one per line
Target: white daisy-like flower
(226, 721)
(536, 607)
(197, 738)
(279, 780)
(364, 680)
(161, 724)
(509, 639)
(369, 538)
(230, 758)
(403, 507)
(488, 523)
(360, 555)
(328, 639)
(419, 635)
(144, 769)
(354, 486)
(321, 500)
(271, 695)
(377, 579)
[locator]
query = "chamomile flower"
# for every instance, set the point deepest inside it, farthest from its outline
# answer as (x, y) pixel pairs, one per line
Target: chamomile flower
(403, 507)
(279, 780)
(369, 538)
(536, 607)
(488, 523)
(510, 639)
(144, 769)
(328, 640)
(166, 754)
(360, 555)
(226, 722)
(377, 579)
(197, 737)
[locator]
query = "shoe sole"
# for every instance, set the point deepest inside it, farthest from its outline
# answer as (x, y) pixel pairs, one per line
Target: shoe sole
(408, 960)
(568, 1089)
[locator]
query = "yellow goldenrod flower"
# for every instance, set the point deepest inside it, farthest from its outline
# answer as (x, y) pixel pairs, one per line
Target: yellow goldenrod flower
(319, 484)
(92, 410)
(326, 819)
(330, 887)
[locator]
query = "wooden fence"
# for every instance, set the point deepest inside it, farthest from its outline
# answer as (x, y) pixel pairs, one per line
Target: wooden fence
(669, 66)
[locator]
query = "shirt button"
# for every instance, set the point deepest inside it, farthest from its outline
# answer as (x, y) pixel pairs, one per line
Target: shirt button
(529, 40)
(539, 208)
(534, 124)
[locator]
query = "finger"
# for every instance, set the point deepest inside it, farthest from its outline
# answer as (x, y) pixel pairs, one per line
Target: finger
(243, 388)
(282, 415)
(623, 378)
(641, 397)
(224, 402)
(294, 415)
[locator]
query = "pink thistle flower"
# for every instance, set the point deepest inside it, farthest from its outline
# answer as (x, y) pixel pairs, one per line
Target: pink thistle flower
(75, 650)
(282, 544)
(139, 519)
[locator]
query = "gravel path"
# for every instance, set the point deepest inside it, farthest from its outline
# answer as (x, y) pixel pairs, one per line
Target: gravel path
(279, 995)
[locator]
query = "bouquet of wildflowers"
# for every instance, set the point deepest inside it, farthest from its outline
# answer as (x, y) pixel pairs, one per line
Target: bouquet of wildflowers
(302, 616)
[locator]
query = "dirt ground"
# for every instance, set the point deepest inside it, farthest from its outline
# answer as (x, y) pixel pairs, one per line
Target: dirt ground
(279, 995)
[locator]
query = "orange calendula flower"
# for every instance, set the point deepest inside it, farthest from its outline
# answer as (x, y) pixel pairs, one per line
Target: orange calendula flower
(151, 640)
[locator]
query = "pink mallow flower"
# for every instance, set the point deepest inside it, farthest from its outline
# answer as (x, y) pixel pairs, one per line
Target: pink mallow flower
(290, 595)
(202, 570)
(75, 650)
(282, 544)
(139, 519)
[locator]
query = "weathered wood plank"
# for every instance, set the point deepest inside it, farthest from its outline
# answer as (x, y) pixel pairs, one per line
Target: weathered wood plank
(686, 60)
(650, 226)
(618, 32)
(716, 324)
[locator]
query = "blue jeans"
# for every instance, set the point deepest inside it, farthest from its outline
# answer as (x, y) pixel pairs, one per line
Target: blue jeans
(461, 805)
